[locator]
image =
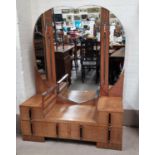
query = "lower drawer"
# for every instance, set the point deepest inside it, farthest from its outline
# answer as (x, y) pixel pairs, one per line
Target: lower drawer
(116, 135)
(26, 127)
(68, 130)
(44, 129)
(95, 133)
(92, 133)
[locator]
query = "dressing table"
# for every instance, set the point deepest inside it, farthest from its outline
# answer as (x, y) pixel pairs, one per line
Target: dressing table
(55, 112)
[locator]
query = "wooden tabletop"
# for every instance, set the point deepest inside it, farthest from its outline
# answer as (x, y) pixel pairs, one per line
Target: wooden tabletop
(71, 112)
(34, 101)
(111, 104)
(78, 96)
(66, 48)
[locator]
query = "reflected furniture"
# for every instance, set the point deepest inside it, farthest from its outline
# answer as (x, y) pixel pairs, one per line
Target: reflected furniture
(116, 61)
(89, 57)
(63, 61)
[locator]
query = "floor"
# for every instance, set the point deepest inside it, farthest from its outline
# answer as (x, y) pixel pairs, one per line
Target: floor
(89, 84)
(62, 147)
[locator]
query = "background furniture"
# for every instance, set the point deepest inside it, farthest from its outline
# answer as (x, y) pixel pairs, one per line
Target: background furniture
(116, 61)
(89, 57)
(63, 61)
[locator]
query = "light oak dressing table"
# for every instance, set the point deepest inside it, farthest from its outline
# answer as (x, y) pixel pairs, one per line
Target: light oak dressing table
(79, 115)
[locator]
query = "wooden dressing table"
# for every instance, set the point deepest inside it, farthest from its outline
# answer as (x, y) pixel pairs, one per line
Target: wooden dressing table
(57, 113)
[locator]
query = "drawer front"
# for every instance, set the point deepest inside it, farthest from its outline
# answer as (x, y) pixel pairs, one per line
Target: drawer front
(24, 113)
(95, 133)
(44, 129)
(112, 119)
(116, 119)
(68, 130)
(64, 130)
(75, 131)
(116, 135)
(27, 113)
(25, 127)
(102, 118)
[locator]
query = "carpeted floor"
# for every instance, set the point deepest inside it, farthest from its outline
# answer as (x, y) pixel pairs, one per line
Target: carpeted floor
(62, 147)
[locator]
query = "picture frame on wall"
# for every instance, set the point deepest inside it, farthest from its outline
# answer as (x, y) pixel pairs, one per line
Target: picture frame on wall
(93, 10)
(75, 11)
(65, 11)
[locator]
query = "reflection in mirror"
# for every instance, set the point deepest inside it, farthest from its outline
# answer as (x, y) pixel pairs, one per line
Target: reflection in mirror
(40, 48)
(77, 45)
(116, 49)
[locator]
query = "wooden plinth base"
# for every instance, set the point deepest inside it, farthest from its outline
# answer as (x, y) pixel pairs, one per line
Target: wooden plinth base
(109, 146)
(34, 138)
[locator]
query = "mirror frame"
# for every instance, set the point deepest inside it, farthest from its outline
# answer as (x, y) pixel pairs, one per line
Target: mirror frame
(41, 85)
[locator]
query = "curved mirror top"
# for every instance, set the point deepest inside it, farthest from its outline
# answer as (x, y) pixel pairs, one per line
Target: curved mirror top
(76, 40)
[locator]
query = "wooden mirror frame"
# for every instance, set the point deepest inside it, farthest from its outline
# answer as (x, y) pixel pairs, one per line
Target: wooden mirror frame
(43, 85)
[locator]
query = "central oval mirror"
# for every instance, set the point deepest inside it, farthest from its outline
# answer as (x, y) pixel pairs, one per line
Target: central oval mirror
(77, 48)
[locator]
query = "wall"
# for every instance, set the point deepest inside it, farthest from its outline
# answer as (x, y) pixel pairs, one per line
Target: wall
(25, 84)
(126, 11)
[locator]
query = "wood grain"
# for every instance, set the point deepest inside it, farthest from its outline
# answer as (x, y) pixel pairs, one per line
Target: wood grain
(79, 115)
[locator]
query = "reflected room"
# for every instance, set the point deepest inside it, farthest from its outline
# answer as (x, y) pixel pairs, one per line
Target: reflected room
(77, 48)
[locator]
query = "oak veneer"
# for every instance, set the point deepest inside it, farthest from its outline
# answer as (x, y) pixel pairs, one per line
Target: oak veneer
(87, 122)
(56, 112)
(78, 96)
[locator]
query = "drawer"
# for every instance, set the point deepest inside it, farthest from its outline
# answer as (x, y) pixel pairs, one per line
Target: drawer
(24, 113)
(75, 131)
(64, 130)
(116, 119)
(113, 119)
(68, 130)
(27, 113)
(115, 135)
(25, 127)
(44, 129)
(95, 133)
(102, 117)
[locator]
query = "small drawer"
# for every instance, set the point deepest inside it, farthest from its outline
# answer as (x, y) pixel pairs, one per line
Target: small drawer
(68, 130)
(24, 113)
(95, 133)
(26, 127)
(64, 130)
(27, 113)
(112, 118)
(102, 117)
(44, 129)
(115, 135)
(75, 131)
(116, 119)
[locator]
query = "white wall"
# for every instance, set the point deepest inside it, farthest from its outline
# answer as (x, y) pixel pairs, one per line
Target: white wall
(25, 83)
(126, 11)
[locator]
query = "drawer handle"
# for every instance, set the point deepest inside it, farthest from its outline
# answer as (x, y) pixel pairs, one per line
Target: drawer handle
(31, 128)
(109, 135)
(30, 116)
(57, 130)
(30, 113)
(81, 132)
(109, 118)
